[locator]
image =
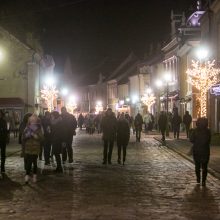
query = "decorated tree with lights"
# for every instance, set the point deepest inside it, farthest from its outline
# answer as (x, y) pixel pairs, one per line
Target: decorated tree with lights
(203, 76)
(148, 99)
(49, 93)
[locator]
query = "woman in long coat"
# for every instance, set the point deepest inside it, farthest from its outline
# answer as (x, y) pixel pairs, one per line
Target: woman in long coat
(123, 136)
(201, 138)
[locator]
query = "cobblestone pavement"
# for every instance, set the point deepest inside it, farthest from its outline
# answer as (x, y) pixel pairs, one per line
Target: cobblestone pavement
(155, 184)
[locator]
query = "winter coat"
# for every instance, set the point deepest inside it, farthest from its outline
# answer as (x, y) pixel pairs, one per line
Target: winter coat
(108, 126)
(187, 119)
(46, 123)
(138, 121)
(32, 138)
(69, 125)
(162, 122)
(3, 130)
(123, 132)
(201, 139)
(176, 121)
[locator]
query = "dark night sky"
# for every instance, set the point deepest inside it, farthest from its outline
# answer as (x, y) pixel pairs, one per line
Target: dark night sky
(90, 30)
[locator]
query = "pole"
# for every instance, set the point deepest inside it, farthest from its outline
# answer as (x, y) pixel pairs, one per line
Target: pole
(167, 127)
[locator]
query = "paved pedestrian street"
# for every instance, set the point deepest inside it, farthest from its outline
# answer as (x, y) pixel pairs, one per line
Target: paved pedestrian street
(155, 183)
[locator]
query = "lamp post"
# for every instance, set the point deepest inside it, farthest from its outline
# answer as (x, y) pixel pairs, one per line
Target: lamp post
(159, 84)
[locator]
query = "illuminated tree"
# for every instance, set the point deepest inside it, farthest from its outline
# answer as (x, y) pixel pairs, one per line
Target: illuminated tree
(49, 94)
(203, 76)
(148, 99)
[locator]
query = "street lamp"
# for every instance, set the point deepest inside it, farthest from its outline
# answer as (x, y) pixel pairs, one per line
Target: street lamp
(203, 75)
(159, 84)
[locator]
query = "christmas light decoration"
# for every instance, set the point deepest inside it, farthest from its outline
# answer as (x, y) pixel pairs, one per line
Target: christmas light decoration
(148, 99)
(71, 105)
(98, 107)
(203, 75)
(49, 94)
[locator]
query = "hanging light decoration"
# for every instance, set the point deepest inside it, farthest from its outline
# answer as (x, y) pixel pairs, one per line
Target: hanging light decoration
(148, 99)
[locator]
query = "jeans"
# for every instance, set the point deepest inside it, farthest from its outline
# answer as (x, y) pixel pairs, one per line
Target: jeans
(198, 166)
(29, 160)
(176, 131)
(187, 130)
(47, 149)
(68, 150)
(124, 147)
(138, 134)
(107, 153)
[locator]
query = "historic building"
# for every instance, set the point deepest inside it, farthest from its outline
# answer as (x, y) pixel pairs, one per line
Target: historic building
(19, 75)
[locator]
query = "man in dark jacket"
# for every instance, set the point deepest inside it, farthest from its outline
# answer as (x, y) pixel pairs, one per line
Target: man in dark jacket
(201, 138)
(187, 120)
(3, 140)
(138, 122)
(108, 126)
(162, 123)
(176, 121)
(123, 136)
(69, 125)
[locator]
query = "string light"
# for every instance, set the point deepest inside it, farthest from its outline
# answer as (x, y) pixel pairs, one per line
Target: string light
(49, 93)
(148, 99)
(203, 76)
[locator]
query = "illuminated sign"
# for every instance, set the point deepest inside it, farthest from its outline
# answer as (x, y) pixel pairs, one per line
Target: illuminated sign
(215, 90)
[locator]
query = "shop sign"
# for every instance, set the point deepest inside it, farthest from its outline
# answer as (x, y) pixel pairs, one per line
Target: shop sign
(215, 90)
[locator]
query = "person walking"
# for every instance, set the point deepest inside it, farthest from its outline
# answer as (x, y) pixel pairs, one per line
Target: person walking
(187, 120)
(3, 140)
(162, 123)
(138, 122)
(201, 138)
(69, 125)
(176, 121)
(80, 121)
(46, 123)
(123, 136)
(56, 138)
(32, 138)
(108, 126)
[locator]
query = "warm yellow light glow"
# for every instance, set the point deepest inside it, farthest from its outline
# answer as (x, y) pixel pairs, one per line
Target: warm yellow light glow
(203, 76)
(148, 99)
(98, 107)
(49, 94)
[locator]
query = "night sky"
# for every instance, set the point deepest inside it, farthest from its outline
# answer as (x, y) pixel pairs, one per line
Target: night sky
(90, 30)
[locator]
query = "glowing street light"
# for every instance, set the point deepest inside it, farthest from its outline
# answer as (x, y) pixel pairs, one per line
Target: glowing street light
(1, 55)
(72, 104)
(64, 91)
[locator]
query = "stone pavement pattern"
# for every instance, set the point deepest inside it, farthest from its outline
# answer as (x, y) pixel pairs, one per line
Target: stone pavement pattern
(155, 183)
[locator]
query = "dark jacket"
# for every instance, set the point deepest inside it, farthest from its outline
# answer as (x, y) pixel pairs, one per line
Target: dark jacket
(162, 122)
(56, 135)
(69, 125)
(46, 124)
(201, 139)
(187, 119)
(176, 121)
(123, 132)
(138, 121)
(108, 126)
(3, 130)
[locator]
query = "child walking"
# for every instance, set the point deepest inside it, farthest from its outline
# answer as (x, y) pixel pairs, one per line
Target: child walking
(32, 138)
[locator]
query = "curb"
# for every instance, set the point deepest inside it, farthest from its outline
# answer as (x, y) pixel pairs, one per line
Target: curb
(213, 172)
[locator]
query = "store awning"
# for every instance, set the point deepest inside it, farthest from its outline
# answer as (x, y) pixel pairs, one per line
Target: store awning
(11, 102)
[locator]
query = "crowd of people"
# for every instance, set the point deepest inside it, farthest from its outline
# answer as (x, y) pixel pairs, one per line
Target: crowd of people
(52, 136)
